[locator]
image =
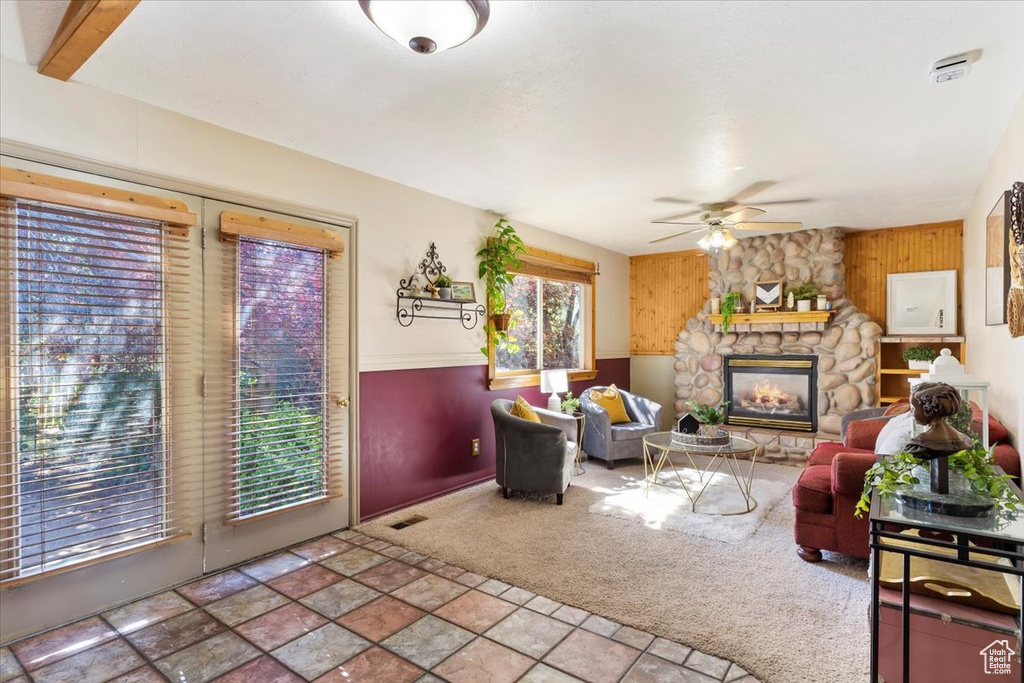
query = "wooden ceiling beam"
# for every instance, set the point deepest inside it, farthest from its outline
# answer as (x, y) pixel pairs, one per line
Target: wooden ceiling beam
(85, 26)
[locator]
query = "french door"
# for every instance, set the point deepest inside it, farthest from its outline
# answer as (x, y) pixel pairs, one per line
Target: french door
(276, 368)
(100, 350)
(173, 397)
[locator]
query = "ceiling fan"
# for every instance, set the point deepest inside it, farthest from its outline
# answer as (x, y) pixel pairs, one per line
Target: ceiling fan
(719, 218)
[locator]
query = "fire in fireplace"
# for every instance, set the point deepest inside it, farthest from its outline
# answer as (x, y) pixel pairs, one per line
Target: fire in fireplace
(772, 391)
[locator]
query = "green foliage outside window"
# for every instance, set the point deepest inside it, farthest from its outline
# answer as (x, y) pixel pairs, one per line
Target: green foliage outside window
(280, 453)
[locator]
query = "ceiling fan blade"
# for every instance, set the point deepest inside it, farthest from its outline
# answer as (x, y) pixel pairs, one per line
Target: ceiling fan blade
(786, 201)
(696, 225)
(761, 225)
(749, 192)
(674, 200)
(743, 213)
(678, 234)
(686, 214)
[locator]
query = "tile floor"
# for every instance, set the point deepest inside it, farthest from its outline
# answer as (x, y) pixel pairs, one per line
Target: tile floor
(348, 608)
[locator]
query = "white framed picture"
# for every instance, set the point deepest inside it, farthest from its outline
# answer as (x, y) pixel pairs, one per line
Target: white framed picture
(921, 303)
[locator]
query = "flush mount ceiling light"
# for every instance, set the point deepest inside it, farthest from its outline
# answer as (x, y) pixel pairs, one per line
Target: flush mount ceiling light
(428, 26)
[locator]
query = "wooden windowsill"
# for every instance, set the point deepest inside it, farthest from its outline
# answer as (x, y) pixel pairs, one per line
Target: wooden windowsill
(533, 379)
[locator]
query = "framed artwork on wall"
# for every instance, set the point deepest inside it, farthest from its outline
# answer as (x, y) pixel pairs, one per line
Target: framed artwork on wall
(921, 303)
(768, 294)
(997, 261)
(463, 291)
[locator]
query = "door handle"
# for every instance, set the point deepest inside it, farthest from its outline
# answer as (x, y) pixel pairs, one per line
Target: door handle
(344, 402)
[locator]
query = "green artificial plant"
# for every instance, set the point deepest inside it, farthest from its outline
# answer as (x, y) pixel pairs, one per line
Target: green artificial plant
(975, 464)
(709, 415)
(804, 291)
(919, 353)
(502, 251)
(729, 303)
(443, 281)
(570, 404)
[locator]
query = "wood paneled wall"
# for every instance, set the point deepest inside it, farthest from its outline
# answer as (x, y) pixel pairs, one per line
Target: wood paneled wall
(873, 254)
(664, 290)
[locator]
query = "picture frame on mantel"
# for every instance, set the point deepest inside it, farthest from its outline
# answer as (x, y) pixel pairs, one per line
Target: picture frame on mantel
(768, 295)
(997, 260)
(921, 303)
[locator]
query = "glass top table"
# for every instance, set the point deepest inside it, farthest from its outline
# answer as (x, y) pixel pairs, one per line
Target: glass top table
(659, 446)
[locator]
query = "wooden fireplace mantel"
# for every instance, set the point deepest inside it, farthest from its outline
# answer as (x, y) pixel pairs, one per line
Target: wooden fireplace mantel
(774, 318)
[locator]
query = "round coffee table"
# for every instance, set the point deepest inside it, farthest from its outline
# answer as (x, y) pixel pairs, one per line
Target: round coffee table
(659, 445)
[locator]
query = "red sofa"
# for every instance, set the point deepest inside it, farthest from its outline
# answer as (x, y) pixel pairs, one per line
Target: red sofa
(832, 481)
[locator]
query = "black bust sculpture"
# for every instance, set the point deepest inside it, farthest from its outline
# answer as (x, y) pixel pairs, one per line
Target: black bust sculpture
(933, 402)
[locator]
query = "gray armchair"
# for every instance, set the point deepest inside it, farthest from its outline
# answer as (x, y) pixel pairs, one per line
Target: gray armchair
(610, 442)
(531, 456)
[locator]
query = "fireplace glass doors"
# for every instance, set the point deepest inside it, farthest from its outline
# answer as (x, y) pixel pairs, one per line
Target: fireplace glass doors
(778, 392)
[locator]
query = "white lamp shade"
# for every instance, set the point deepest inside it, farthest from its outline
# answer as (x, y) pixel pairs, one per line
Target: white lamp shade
(446, 22)
(554, 381)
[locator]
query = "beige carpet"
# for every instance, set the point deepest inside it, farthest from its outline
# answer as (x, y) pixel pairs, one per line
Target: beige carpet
(754, 602)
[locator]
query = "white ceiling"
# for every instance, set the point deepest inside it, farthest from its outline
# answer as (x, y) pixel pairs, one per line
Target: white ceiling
(577, 116)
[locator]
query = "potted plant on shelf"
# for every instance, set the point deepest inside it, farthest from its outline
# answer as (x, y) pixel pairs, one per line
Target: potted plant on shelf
(444, 286)
(803, 295)
(729, 303)
(570, 404)
(502, 251)
(918, 357)
(708, 416)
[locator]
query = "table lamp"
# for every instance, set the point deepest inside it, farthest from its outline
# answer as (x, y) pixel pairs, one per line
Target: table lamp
(554, 381)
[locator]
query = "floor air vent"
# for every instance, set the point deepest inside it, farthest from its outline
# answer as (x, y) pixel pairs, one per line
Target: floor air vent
(415, 519)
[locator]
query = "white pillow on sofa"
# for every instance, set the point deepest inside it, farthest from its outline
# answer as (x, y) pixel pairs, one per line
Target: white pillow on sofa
(894, 434)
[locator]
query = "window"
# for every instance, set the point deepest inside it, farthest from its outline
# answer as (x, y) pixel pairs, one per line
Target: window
(281, 398)
(280, 438)
(88, 465)
(547, 317)
(551, 301)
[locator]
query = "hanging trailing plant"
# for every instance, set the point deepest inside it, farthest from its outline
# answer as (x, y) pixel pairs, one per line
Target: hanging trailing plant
(501, 252)
(729, 303)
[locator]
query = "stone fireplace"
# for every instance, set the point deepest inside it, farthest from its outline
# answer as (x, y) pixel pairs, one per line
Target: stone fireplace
(843, 348)
(772, 391)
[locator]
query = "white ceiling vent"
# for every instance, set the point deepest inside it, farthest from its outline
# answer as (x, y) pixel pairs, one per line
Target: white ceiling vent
(951, 68)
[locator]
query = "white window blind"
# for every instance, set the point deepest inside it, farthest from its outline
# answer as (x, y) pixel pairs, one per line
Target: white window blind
(286, 451)
(95, 321)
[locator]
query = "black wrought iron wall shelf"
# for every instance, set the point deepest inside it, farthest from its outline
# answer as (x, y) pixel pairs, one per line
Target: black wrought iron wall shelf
(414, 300)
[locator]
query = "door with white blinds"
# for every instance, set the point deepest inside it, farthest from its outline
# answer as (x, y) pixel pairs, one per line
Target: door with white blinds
(99, 393)
(276, 381)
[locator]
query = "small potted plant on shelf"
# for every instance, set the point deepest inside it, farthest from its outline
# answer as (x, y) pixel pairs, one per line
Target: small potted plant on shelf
(803, 295)
(502, 251)
(729, 303)
(570, 404)
(918, 357)
(708, 416)
(444, 286)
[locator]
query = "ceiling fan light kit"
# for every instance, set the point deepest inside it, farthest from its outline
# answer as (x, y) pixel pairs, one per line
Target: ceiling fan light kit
(428, 26)
(717, 219)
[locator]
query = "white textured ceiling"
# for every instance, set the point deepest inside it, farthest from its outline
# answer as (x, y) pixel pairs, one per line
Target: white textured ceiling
(577, 116)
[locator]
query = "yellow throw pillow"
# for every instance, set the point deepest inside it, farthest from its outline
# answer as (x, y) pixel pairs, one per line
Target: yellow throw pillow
(524, 410)
(611, 400)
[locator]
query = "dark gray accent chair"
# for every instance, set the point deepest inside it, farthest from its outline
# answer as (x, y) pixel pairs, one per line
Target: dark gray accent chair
(532, 456)
(610, 442)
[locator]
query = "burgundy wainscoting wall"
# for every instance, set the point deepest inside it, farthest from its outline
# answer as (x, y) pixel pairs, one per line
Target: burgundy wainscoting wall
(416, 428)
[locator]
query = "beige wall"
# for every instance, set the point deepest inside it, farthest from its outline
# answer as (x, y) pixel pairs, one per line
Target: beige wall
(654, 377)
(991, 353)
(396, 223)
